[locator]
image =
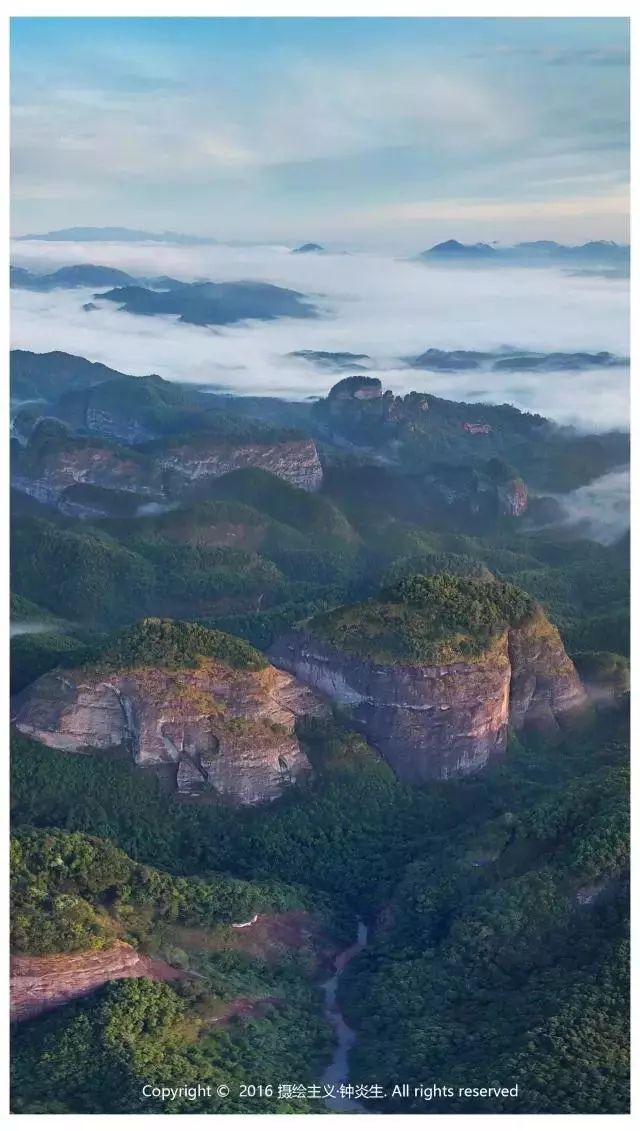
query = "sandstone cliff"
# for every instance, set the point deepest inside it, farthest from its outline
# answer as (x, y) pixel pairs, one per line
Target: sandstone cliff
(53, 460)
(434, 720)
(40, 984)
(220, 727)
(186, 465)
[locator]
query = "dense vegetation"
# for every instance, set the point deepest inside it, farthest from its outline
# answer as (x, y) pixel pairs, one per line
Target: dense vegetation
(437, 619)
(98, 1054)
(75, 892)
(507, 960)
(175, 644)
(497, 903)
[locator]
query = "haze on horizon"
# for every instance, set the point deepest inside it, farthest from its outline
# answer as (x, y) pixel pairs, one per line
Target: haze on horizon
(382, 133)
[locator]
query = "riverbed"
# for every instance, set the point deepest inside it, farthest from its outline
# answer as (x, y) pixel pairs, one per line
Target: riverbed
(338, 1070)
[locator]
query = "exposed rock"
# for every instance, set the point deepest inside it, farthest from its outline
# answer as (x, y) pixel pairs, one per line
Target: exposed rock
(476, 492)
(513, 497)
(186, 465)
(54, 460)
(225, 729)
(546, 692)
(434, 721)
(43, 983)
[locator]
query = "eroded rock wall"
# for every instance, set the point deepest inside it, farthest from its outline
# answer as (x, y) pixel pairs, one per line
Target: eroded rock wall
(435, 721)
(224, 729)
(38, 984)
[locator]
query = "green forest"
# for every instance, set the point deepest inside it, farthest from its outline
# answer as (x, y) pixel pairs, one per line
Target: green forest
(496, 903)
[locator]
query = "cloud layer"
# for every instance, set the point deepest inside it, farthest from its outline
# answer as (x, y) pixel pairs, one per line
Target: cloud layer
(384, 307)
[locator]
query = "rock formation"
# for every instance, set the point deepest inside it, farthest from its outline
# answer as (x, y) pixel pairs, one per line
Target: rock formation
(437, 719)
(186, 465)
(54, 460)
(220, 727)
(39, 984)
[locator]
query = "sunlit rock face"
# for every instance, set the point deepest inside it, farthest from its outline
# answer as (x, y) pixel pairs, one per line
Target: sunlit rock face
(436, 721)
(212, 727)
(191, 465)
(39, 984)
(53, 461)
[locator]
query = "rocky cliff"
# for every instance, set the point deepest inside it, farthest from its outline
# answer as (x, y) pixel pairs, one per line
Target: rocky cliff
(219, 725)
(40, 984)
(447, 715)
(188, 465)
(53, 461)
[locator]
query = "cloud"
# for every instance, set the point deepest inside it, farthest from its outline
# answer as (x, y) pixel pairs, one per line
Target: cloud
(373, 304)
(559, 56)
(495, 211)
(600, 508)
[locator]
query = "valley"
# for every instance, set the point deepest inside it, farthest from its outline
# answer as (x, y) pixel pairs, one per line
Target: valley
(284, 669)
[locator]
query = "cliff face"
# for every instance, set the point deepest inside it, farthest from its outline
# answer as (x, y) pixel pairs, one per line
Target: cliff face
(189, 465)
(40, 984)
(46, 470)
(472, 492)
(223, 729)
(434, 721)
(88, 462)
(514, 497)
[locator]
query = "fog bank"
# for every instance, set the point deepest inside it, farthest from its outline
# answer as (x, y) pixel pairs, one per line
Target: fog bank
(373, 304)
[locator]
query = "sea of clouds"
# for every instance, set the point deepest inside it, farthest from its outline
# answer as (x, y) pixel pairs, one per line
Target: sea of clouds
(369, 303)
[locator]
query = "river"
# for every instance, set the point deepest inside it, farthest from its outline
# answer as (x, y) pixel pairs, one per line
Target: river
(338, 1071)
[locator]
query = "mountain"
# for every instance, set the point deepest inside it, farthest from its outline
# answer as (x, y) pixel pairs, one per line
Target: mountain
(436, 669)
(169, 693)
(83, 275)
(456, 250)
(54, 460)
(44, 376)
(214, 304)
(513, 360)
(418, 430)
(595, 253)
(336, 359)
(115, 235)
(307, 248)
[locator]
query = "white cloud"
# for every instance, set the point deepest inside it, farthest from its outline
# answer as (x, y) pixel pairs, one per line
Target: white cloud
(373, 304)
(494, 211)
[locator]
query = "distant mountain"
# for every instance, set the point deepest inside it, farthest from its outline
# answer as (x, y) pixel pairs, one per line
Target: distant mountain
(459, 250)
(82, 275)
(513, 360)
(306, 248)
(117, 235)
(87, 275)
(332, 360)
(593, 254)
(214, 304)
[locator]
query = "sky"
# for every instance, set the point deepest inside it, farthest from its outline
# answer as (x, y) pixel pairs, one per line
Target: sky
(356, 133)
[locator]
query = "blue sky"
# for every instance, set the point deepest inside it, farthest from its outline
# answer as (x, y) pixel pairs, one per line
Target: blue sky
(354, 132)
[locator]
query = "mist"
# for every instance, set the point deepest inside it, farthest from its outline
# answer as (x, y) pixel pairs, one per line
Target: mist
(370, 303)
(29, 628)
(600, 508)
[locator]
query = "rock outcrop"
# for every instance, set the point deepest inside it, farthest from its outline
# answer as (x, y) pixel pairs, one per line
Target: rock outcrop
(39, 984)
(190, 465)
(53, 461)
(218, 727)
(435, 720)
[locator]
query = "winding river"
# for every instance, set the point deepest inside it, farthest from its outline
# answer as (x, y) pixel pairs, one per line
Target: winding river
(338, 1071)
